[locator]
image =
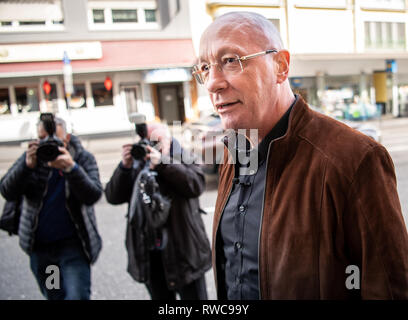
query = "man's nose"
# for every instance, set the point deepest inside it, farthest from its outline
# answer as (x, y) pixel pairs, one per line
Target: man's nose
(216, 79)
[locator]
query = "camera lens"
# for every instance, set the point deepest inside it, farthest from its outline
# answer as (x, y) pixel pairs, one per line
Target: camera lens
(138, 151)
(47, 151)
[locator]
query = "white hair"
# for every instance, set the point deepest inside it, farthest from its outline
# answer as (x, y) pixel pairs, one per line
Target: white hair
(257, 22)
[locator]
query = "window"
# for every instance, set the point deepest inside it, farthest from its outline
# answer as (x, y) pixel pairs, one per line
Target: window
(101, 96)
(27, 99)
(98, 16)
(384, 35)
(321, 3)
(33, 15)
(78, 98)
(124, 16)
(276, 23)
(30, 23)
(150, 15)
(4, 101)
(383, 4)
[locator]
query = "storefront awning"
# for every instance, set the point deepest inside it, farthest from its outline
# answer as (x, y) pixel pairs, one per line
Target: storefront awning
(116, 56)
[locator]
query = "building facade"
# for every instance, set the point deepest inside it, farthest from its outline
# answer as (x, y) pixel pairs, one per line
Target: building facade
(342, 51)
(93, 63)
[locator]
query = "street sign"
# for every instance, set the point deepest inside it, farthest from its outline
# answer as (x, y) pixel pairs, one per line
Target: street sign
(67, 70)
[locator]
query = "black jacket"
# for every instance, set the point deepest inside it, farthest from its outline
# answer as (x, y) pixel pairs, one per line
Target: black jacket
(187, 255)
(83, 189)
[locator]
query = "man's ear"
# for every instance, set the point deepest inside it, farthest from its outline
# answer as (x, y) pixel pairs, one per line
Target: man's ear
(282, 59)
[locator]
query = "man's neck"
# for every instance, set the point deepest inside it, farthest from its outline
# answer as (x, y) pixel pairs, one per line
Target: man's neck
(281, 107)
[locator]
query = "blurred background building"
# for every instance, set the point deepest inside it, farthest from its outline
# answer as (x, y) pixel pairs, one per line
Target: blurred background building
(120, 57)
(127, 56)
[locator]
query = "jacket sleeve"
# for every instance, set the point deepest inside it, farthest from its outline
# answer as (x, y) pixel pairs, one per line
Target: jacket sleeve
(84, 182)
(376, 235)
(185, 179)
(15, 181)
(119, 188)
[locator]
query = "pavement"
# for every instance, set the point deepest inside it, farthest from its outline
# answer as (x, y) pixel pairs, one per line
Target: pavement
(109, 277)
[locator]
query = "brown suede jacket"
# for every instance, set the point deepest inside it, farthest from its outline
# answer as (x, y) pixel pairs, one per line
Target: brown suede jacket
(330, 201)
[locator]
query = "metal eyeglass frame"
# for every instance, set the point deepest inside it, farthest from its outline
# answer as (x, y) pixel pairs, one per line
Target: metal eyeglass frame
(198, 73)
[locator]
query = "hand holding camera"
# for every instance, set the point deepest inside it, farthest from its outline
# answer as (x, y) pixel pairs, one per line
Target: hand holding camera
(31, 154)
(63, 162)
(127, 159)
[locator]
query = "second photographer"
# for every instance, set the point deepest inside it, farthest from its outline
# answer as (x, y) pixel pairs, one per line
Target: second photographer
(175, 258)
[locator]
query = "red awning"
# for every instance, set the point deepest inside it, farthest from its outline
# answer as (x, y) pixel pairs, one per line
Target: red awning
(116, 56)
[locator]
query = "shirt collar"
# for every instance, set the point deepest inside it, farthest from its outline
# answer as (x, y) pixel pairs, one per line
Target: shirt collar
(277, 131)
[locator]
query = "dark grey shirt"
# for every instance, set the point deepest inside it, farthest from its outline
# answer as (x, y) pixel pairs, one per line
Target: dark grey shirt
(240, 223)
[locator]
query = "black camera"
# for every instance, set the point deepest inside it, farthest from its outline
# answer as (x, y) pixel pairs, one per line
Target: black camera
(48, 147)
(139, 150)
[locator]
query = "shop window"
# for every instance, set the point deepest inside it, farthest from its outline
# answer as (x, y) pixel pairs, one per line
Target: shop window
(98, 15)
(4, 101)
(101, 96)
(150, 15)
(119, 16)
(78, 98)
(27, 99)
(51, 98)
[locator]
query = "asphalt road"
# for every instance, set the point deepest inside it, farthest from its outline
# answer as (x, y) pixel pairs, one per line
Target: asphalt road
(109, 277)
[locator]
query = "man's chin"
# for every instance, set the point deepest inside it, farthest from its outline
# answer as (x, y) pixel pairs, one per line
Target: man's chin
(232, 124)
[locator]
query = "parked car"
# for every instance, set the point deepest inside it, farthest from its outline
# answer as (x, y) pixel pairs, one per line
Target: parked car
(204, 138)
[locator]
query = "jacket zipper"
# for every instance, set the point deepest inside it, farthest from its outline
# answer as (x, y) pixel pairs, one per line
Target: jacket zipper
(37, 216)
(79, 233)
(260, 225)
(83, 242)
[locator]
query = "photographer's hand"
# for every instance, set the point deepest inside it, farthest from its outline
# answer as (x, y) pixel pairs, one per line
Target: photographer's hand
(31, 154)
(63, 162)
(154, 156)
(127, 159)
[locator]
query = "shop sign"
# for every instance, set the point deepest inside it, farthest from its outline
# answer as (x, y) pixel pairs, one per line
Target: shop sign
(167, 75)
(391, 65)
(49, 51)
(296, 82)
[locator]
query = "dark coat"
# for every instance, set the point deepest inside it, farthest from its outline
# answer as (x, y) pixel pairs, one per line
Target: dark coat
(83, 189)
(187, 255)
(330, 201)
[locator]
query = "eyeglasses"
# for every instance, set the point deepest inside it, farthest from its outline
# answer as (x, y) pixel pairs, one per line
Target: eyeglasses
(228, 65)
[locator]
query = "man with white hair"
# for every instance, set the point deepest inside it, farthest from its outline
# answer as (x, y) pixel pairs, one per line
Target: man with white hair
(57, 227)
(320, 217)
(176, 265)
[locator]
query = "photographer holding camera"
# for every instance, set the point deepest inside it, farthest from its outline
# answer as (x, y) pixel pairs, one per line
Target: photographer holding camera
(58, 182)
(172, 258)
